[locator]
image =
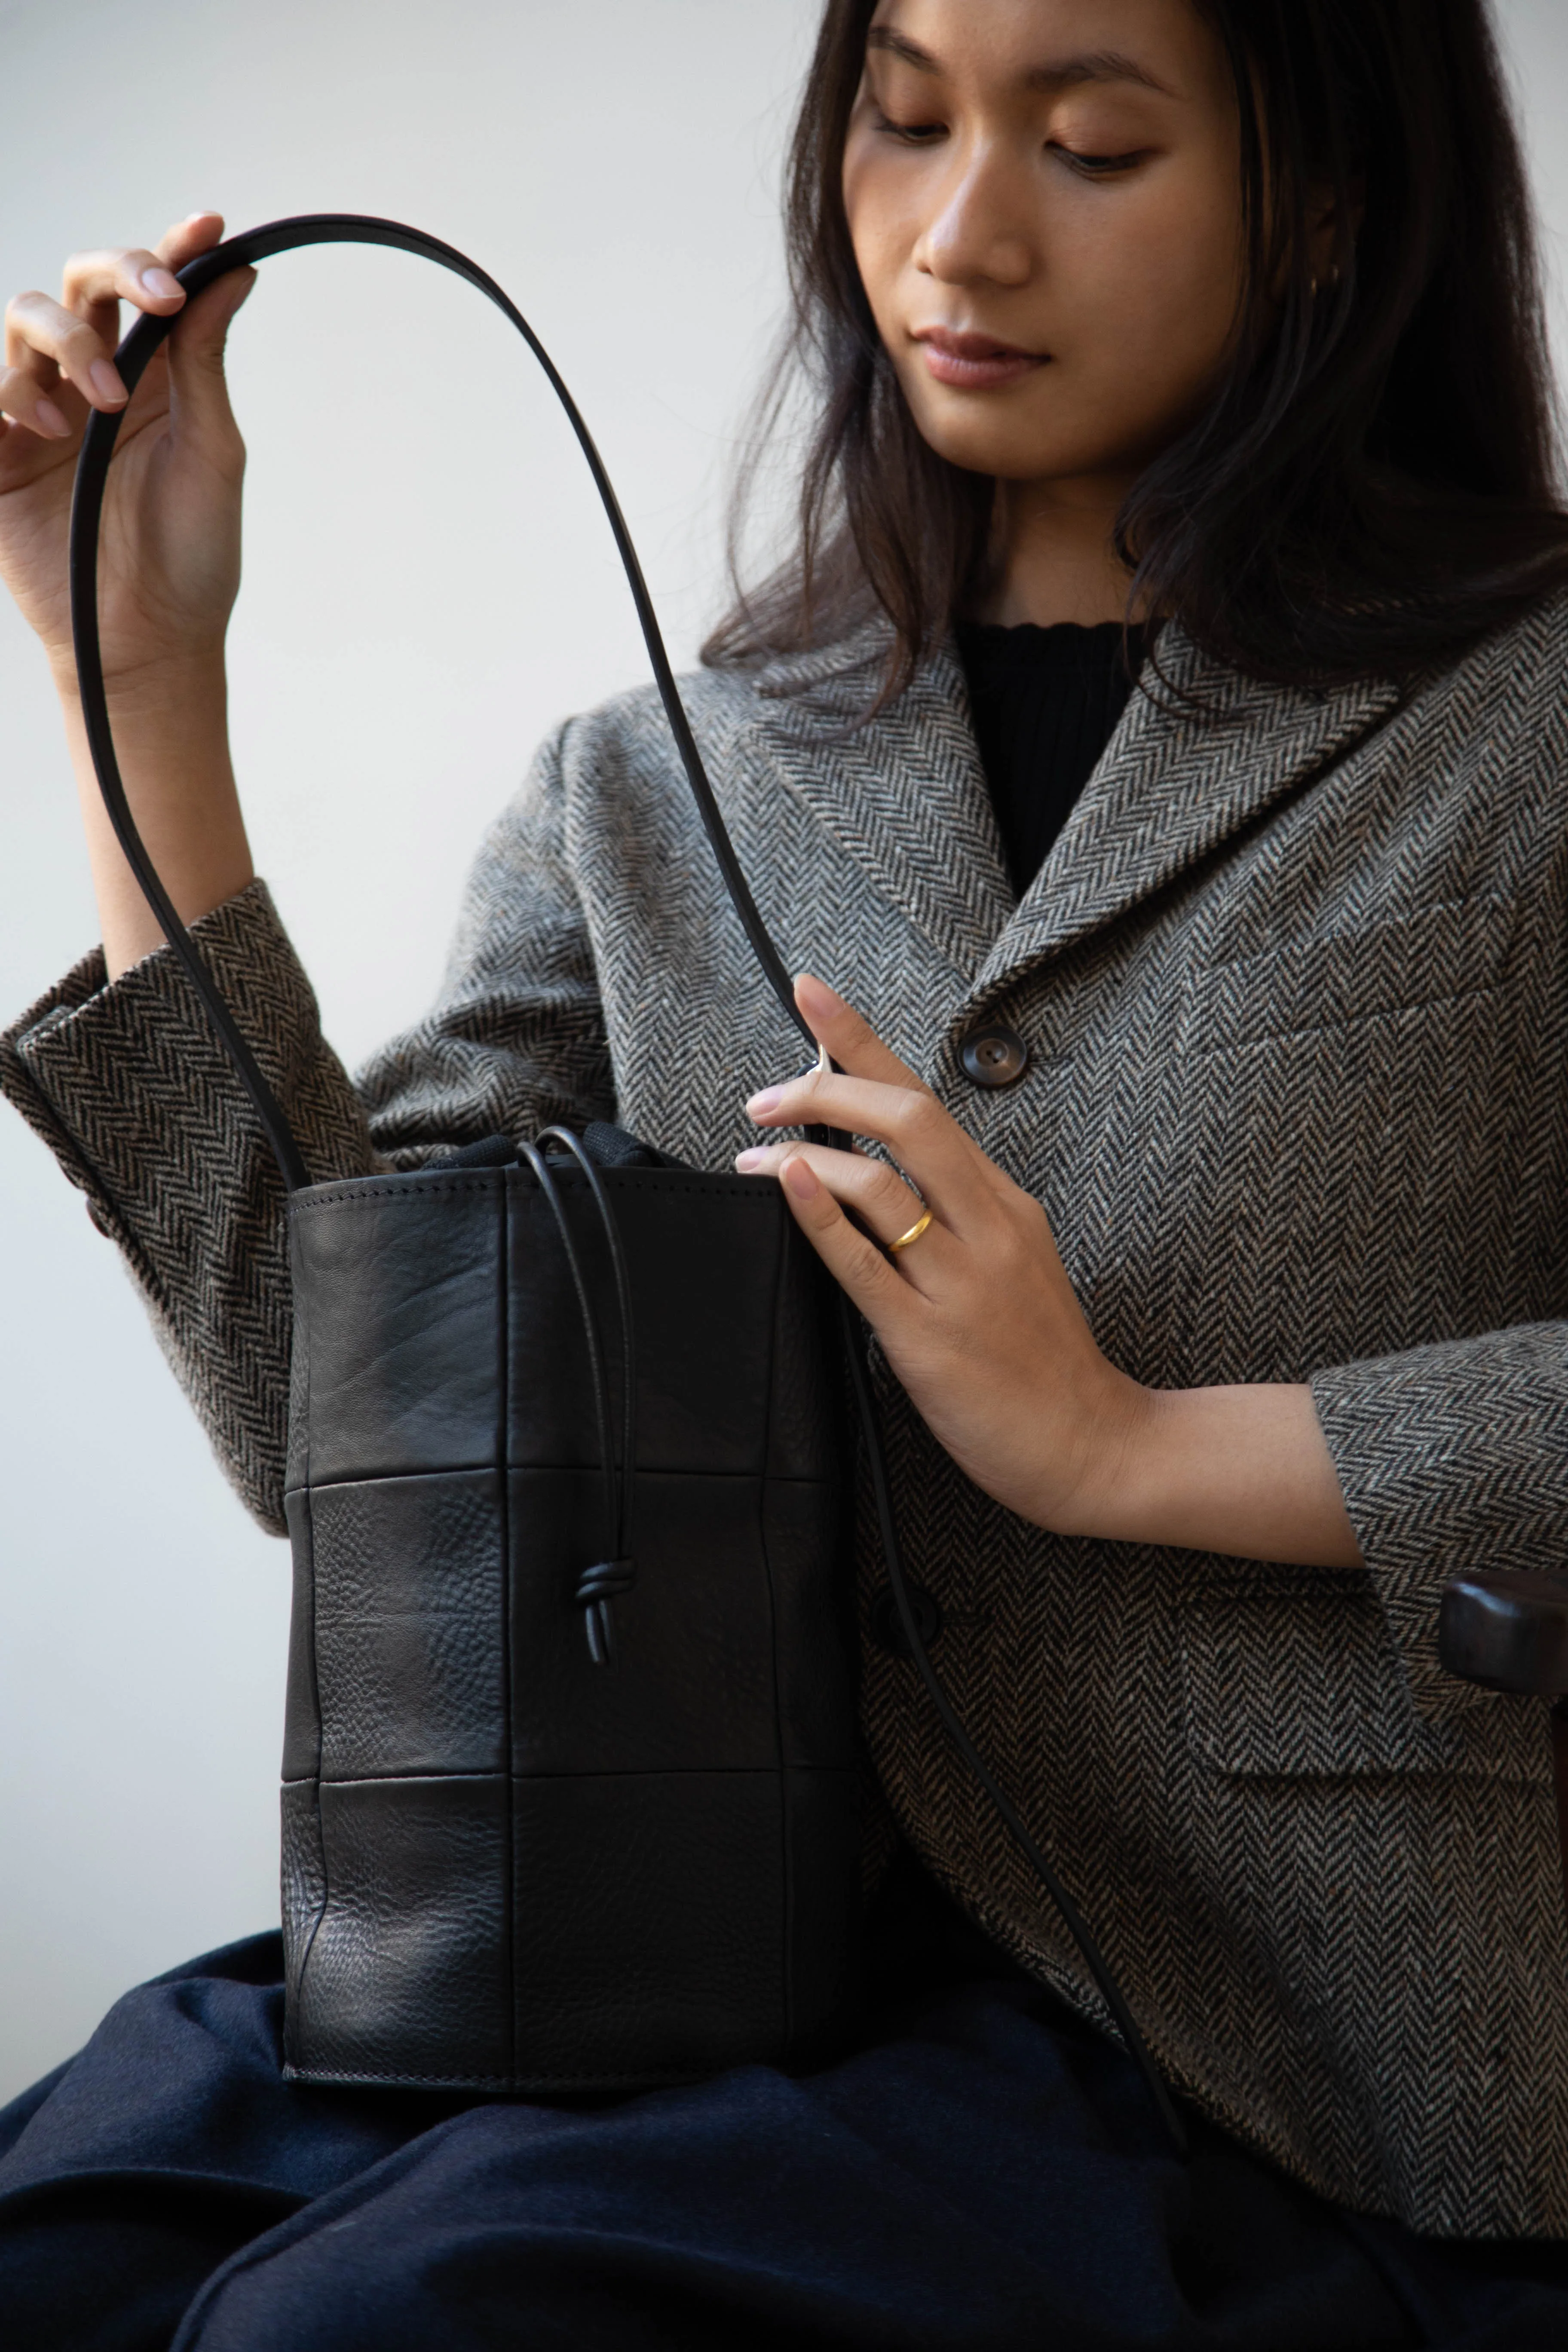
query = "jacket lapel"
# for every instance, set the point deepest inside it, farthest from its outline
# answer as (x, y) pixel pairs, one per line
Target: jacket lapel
(1172, 788)
(904, 793)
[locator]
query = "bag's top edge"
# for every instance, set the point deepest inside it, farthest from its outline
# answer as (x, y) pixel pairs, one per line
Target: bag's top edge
(486, 1184)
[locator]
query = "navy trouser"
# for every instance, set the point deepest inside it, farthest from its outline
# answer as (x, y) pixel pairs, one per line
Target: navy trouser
(982, 2174)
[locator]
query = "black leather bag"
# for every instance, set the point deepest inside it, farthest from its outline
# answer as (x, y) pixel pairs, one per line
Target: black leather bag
(572, 1774)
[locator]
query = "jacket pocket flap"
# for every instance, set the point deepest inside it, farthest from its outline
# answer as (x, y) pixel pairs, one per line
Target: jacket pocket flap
(1453, 949)
(1293, 1674)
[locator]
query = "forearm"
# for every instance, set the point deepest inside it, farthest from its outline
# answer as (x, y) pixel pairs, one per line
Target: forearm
(1241, 1470)
(171, 733)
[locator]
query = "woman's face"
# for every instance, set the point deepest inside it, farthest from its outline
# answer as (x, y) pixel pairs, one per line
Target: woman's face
(1044, 201)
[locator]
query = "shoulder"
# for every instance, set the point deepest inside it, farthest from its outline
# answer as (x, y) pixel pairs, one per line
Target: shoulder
(1515, 677)
(632, 729)
(1488, 730)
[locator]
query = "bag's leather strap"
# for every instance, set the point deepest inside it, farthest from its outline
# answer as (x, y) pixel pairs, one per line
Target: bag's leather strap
(92, 469)
(92, 472)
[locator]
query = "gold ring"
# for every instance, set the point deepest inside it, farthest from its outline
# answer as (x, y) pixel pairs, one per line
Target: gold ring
(915, 1231)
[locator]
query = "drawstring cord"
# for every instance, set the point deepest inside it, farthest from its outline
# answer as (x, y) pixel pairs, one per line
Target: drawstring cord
(599, 1584)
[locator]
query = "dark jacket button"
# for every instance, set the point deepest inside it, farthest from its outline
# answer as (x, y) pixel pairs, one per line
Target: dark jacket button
(993, 1055)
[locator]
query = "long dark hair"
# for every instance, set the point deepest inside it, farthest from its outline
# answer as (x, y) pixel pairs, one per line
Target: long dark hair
(1375, 483)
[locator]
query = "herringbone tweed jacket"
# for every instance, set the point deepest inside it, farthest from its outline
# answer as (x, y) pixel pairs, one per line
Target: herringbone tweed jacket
(1294, 984)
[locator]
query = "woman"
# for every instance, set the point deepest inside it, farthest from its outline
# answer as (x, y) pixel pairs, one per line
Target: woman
(1218, 1024)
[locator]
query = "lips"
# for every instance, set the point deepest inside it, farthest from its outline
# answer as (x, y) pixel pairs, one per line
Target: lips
(971, 362)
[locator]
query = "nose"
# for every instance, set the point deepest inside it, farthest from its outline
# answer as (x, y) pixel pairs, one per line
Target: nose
(979, 227)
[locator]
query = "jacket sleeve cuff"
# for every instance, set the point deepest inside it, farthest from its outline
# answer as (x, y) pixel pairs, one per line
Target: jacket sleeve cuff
(19, 1084)
(94, 1068)
(130, 1087)
(1451, 1458)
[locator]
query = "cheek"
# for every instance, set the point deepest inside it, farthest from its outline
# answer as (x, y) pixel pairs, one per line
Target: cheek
(883, 226)
(1156, 295)
(1138, 307)
(1135, 297)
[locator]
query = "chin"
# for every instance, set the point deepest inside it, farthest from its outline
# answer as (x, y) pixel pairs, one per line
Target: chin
(1003, 433)
(987, 447)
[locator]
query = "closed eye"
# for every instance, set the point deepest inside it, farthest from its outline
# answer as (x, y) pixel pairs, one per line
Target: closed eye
(912, 135)
(1097, 167)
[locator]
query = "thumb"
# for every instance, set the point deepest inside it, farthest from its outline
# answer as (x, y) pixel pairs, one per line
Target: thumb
(197, 386)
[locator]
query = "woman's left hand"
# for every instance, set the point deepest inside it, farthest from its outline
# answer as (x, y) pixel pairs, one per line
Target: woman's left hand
(976, 1317)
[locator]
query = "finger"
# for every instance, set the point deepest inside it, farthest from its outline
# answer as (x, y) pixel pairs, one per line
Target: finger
(39, 329)
(120, 274)
(874, 1193)
(197, 233)
(914, 1128)
(25, 400)
(183, 240)
(888, 1302)
(849, 1035)
(96, 283)
(850, 1042)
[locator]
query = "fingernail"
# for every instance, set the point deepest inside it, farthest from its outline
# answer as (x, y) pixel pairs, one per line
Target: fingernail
(105, 382)
(768, 1100)
(827, 999)
(801, 1180)
(747, 1162)
(45, 414)
(162, 283)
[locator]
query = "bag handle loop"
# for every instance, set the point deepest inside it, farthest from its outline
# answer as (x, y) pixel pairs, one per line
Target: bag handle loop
(92, 470)
(91, 477)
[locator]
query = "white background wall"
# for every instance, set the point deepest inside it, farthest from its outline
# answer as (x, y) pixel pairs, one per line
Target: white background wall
(428, 586)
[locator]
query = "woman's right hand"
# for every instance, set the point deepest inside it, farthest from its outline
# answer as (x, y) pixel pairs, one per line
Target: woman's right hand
(168, 561)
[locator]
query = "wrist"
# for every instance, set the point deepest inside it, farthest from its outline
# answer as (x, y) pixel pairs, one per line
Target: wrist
(1116, 1415)
(1241, 1470)
(162, 686)
(170, 722)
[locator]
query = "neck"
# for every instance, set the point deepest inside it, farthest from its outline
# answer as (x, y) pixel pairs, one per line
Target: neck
(1056, 556)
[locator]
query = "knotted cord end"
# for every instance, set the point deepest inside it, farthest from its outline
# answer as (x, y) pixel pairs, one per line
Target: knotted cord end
(596, 1595)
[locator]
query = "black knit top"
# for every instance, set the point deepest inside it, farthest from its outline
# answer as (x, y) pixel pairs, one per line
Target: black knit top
(1045, 703)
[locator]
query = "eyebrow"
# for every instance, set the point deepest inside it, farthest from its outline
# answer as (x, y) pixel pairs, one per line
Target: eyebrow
(1097, 65)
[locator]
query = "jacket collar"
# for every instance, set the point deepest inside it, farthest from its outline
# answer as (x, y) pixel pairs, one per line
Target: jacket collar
(906, 793)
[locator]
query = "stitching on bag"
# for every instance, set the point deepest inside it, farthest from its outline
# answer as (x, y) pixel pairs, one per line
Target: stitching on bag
(425, 2081)
(549, 1470)
(740, 1188)
(389, 1192)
